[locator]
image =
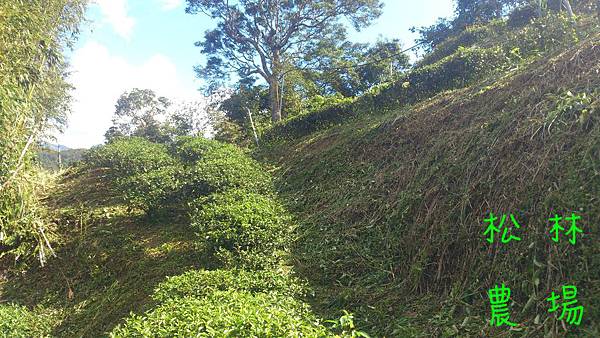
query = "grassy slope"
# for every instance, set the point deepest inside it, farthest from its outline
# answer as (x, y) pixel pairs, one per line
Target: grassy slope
(391, 209)
(108, 266)
(391, 206)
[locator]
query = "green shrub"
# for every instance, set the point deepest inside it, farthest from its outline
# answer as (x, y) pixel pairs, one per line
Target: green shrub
(18, 321)
(143, 172)
(148, 177)
(544, 35)
(305, 124)
(226, 314)
(461, 60)
(199, 283)
(467, 38)
(319, 102)
(191, 149)
(522, 30)
(128, 156)
(463, 67)
(154, 191)
(454, 71)
(458, 70)
(243, 228)
(223, 168)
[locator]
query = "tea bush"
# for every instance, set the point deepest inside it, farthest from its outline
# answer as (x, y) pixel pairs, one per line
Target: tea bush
(371, 102)
(155, 190)
(545, 35)
(156, 177)
(241, 227)
(199, 283)
(223, 168)
(226, 314)
(191, 149)
(18, 321)
(522, 30)
(458, 62)
(457, 70)
(319, 102)
(467, 38)
(142, 172)
(129, 156)
(309, 122)
(454, 71)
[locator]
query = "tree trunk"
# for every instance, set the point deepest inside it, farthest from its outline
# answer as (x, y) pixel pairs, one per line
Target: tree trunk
(275, 103)
(274, 87)
(568, 7)
(252, 125)
(498, 10)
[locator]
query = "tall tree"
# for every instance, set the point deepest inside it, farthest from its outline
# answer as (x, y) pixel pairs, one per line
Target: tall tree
(469, 12)
(138, 113)
(350, 69)
(142, 113)
(557, 5)
(257, 37)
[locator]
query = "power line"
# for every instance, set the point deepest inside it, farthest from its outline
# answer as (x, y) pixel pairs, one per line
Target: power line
(376, 61)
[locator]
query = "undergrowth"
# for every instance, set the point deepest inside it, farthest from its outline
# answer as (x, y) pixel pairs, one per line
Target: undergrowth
(391, 207)
(107, 262)
(226, 254)
(389, 191)
(480, 52)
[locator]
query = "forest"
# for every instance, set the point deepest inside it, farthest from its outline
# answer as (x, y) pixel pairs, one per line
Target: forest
(322, 187)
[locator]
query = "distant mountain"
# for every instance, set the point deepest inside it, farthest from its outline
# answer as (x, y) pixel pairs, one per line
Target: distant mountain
(53, 146)
(48, 153)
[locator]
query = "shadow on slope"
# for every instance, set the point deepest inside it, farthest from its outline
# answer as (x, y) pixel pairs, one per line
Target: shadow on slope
(391, 208)
(108, 263)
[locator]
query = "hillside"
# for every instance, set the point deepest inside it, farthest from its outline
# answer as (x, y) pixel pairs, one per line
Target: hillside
(142, 232)
(48, 158)
(365, 217)
(94, 280)
(391, 205)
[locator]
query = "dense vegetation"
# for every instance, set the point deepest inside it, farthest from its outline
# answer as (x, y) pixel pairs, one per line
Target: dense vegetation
(33, 98)
(225, 303)
(365, 198)
(459, 61)
(391, 204)
(198, 186)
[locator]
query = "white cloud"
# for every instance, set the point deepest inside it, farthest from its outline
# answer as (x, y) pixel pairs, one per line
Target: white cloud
(170, 4)
(100, 77)
(115, 13)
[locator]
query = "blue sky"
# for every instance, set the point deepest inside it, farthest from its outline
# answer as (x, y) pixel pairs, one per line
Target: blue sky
(150, 44)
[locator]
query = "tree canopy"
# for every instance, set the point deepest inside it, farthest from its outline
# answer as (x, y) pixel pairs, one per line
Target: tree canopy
(137, 113)
(142, 113)
(470, 12)
(350, 69)
(259, 37)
